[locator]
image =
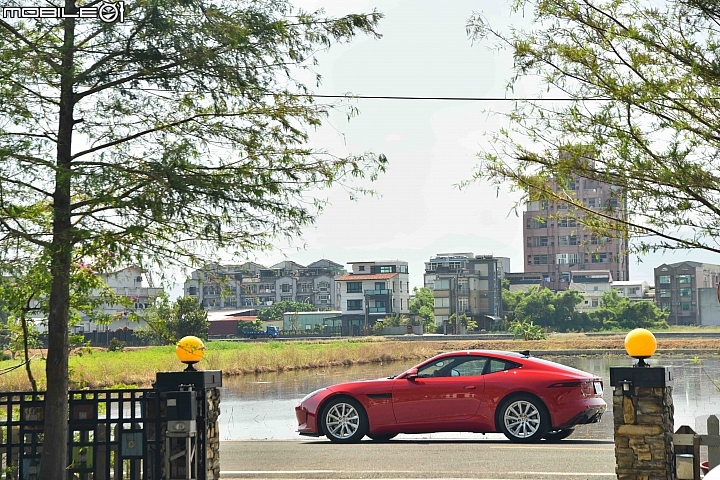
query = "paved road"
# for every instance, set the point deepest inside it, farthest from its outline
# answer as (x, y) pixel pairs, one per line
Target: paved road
(481, 459)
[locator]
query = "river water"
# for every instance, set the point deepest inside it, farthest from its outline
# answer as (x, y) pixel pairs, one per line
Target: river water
(262, 407)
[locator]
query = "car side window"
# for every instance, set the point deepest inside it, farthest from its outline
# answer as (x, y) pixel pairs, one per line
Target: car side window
(462, 366)
(470, 367)
(496, 365)
(432, 369)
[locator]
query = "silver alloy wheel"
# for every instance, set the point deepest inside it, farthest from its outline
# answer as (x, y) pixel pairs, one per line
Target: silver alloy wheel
(522, 419)
(342, 420)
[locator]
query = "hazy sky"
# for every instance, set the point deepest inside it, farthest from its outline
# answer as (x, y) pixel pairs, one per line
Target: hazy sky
(430, 145)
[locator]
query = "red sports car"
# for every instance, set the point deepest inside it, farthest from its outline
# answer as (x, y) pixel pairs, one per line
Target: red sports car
(480, 391)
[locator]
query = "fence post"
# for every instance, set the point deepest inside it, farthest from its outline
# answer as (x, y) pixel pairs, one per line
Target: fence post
(713, 426)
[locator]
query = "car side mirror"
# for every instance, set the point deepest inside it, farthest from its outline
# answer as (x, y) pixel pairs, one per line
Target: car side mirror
(411, 374)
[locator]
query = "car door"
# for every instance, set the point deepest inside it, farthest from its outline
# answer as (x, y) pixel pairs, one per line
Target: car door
(445, 391)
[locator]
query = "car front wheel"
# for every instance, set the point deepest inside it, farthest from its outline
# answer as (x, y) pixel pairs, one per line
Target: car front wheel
(344, 421)
(558, 435)
(523, 418)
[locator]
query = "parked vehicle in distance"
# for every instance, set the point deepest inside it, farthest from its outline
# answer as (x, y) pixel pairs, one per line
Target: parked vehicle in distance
(270, 332)
(481, 391)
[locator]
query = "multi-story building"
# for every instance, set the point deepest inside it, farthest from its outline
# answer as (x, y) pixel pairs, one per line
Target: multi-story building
(556, 243)
(466, 283)
(131, 283)
(371, 291)
(635, 290)
(677, 288)
(593, 284)
(253, 285)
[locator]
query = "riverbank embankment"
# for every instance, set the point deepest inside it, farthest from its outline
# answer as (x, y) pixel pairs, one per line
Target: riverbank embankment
(98, 368)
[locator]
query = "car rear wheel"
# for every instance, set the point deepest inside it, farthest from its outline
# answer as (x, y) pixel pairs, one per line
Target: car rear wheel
(523, 418)
(344, 420)
(558, 435)
(382, 437)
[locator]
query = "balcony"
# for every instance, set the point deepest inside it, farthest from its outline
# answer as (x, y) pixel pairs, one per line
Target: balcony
(377, 292)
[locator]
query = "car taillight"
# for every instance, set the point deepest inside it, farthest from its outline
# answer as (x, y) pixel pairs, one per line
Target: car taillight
(565, 385)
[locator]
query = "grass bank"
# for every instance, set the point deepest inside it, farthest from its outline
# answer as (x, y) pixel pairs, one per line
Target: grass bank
(137, 367)
(99, 369)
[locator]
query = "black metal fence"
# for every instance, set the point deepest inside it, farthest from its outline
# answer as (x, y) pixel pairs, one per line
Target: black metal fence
(114, 434)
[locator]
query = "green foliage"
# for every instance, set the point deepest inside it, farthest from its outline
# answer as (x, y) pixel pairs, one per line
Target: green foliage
(275, 312)
(162, 140)
(469, 323)
(557, 311)
(244, 325)
(116, 345)
(169, 321)
(422, 304)
(641, 80)
(527, 330)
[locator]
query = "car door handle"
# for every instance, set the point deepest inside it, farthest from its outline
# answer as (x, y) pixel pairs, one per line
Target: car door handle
(470, 387)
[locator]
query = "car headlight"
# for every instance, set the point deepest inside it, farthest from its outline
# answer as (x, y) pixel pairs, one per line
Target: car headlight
(312, 394)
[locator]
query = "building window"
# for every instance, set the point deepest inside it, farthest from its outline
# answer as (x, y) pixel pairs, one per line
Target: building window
(403, 269)
(463, 304)
(685, 292)
(442, 303)
(286, 288)
(286, 298)
(684, 278)
(665, 306)
(540, 259)
(354, 305)
(442, 284)
(534, 223)
(192, 290)
(382, 269)
(664, 293)
(685, 306)
(594, 303)
(567, 222)
(665, 279)
(354, 287)
(361, 268)
(563, 240)
(599, 258)
(591, 202)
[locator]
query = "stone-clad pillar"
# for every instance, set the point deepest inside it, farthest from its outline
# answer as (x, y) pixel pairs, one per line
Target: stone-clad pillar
(643, 418)
(212, 434)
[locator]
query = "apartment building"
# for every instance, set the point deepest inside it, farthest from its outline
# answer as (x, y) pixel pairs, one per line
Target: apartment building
(132, 282)
(372, 290)
(556, 243)
(253, 285)
(635, 290)
(466, 283)
(678, 287)
(593, 284)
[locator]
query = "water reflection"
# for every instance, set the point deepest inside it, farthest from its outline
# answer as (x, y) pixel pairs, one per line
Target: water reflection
(261, 407)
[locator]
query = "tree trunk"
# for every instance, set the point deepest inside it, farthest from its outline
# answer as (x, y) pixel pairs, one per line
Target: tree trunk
(28, 369)
(54, 460)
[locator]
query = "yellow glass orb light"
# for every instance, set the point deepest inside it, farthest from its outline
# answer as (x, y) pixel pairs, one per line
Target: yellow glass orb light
(189, 351)
(641, 344)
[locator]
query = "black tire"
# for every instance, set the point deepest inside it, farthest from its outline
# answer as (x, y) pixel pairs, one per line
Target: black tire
(557, 435)
(523, 419)
(385, 437)
(344, 420)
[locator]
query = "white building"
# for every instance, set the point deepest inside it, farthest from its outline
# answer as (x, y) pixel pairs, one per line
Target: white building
(131, 282)
(635, 290)
(376, 289)
(592, 284)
